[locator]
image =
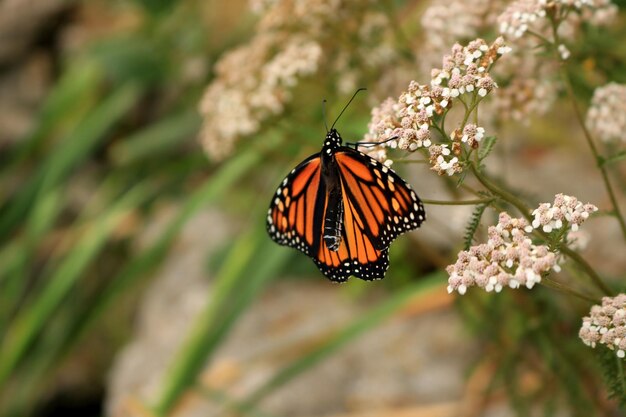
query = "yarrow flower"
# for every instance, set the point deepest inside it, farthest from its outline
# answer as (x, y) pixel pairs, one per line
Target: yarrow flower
(472, 135)
(565, 210)
(294, 40)
(509, 258)
(606, 116)
(408, 122)
(606, 325)
(523, 15)
(252, 83)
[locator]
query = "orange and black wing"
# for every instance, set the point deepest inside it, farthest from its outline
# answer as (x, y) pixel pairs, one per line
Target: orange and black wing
(356, 256)
(296, 211)
(378, 206)
(296, 216)
(381, 203)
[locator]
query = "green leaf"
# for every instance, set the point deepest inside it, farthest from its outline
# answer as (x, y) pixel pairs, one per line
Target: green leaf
(68, 154)
(486, 147)
(473, 224)
(156, 139)
(614, 375)
(33, 317)
(620, 156)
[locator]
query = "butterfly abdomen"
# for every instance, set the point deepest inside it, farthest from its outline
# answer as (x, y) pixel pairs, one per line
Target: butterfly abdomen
(333, 211)
(333, 218)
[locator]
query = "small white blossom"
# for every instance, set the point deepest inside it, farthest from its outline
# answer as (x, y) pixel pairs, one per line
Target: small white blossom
(564, 52)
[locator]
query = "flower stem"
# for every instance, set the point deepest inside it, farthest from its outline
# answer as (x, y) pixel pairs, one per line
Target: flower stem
(547, 282)
(505, 195)
(457, 203)
(588, 137)
(575, 256)
(594, 150)
(620, 372)
(510, 198)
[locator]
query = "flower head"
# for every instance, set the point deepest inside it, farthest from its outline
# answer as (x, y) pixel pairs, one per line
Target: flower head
(565, 210)
(410, 122)
(294, 40)
(508, 258)
(606, 117)
(524, 15)
(606, 325)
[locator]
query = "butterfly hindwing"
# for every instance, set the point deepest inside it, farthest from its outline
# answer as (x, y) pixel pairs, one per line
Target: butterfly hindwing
(339, 265)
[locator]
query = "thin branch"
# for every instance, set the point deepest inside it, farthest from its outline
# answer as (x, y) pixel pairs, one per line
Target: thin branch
(547, 282)
(457, 203)
(588, 137)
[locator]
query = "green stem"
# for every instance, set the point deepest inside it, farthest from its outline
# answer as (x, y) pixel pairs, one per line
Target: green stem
(539, 36)
(547, 282)
(510, 198)
(588, 137)
(575, 256)
(505, 195)
(457, 203)
(441, 132)
(620, 372)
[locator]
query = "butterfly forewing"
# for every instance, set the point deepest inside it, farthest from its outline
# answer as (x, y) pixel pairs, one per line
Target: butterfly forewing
(295, 214)
(385, 205)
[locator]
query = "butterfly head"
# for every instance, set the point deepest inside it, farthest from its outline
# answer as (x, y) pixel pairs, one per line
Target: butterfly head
(332, 141)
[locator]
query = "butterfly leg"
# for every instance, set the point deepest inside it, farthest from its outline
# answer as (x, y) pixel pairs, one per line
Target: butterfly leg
(357, 144)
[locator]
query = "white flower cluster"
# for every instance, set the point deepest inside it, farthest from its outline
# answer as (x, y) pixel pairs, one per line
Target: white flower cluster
(508, 258)
(439, 163)
(524, 15)
(252, 83)
(472, 135)
(606, 324)
(446, 23)
(293, 40)
(565, 211)
(409, 121)
(606, 116)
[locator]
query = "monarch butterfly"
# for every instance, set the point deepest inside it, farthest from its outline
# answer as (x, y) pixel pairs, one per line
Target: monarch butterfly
(343, 209)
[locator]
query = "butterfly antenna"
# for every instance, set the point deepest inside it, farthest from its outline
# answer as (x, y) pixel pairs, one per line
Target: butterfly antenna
(324, 114)
(346, 106)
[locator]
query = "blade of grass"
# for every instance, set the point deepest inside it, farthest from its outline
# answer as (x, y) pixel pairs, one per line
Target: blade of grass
(15, 258)
(228, 402)
(211, 190)
(68, 97)
(361, 325)
(69, 153)
(32, 318)
(250, 264)
(156, 139)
